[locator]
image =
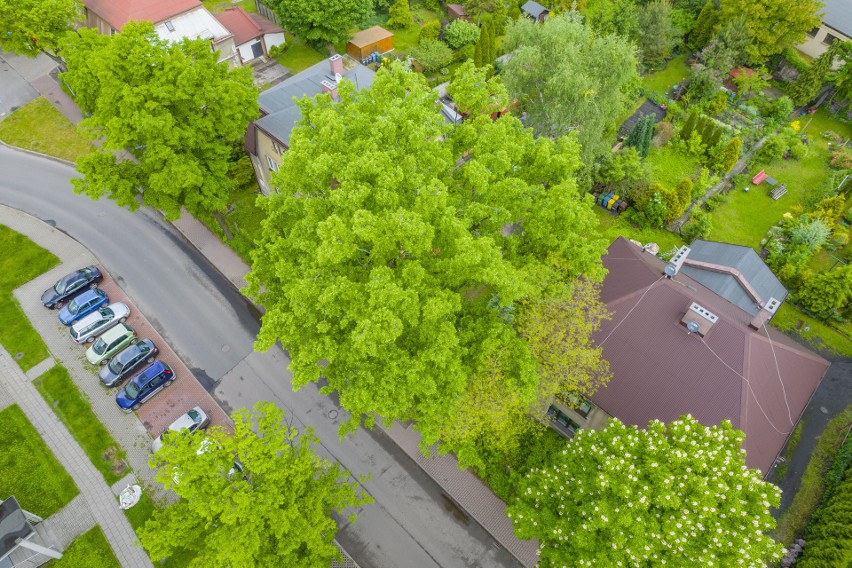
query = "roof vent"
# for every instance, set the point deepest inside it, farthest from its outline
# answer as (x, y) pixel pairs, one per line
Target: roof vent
(764, 315)
(673, 267)
(698, 319)
(772, 305)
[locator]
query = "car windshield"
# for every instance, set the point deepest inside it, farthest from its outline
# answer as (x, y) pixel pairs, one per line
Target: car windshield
(61, 285)
(131, 390)
(107, 313)
(194, 415)
(116, 365)
(100, 346)
(73, 307)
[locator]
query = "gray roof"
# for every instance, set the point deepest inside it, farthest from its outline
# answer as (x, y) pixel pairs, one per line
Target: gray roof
(838, 15)
(743, 259)
(534, 9)
(279, 102)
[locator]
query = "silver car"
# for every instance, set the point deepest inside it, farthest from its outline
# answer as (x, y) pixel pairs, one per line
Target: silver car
(193, 420)
(94, 324)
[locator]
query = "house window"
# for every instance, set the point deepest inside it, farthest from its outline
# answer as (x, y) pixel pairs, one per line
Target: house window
(277, 147)
(272, 165)
(813, 32)
(562, 422)
(170, 26)
(577, 403)
(829, 39)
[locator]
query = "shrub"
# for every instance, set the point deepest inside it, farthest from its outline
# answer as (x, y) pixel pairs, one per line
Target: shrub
(430, 30)
(772, 149)
(797, 149)
(649, 209)
(683, 189)
(400, 15)
(777, 110)
(841, 160)
(662, 134)
(698, 227)
(460, 33)
(839, 237)
(715, 201)
(810, 234)
(848, 216)
(433, 54)
(730, 155)
(718, 104)
(673, 203)
(689, 126)
(832, 136)
(434, 5)
(830, 208)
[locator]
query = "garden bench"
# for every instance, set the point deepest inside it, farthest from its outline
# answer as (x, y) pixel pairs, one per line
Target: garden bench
(778, 191)
(758, 179)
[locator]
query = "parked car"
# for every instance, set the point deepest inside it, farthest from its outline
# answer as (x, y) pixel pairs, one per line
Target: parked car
(194, 419)
(127, 361)
(83, 305)
(70, 285)
(94, 324)
(144, 385)
(109, 343)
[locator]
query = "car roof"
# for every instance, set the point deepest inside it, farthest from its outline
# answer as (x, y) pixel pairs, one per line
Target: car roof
(185, 421)
(89, 294)
(150, 371)
(88, 320)
(115, 332)
(130, 351)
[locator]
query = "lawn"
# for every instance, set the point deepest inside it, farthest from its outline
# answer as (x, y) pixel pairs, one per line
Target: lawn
(216, 6)
(28, 469)
(22, 261)
(666, 78)
(669, 166)
(612, 227)
(818, 334)
(39, 127)
(90, 549)
(299, 55)
(66, 400)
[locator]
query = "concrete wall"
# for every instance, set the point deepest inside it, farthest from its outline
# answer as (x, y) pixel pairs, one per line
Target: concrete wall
(816, 46)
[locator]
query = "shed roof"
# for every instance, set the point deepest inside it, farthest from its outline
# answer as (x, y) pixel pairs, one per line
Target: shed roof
(370, 36)
(838, 15)
(118, 12)
(534, 9)
(455, 9)
(742, 259)
(244, 26)
(759, 380)
(742, 70)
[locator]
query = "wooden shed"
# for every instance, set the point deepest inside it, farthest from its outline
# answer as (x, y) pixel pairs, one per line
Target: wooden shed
(368, 41)
(456, 12)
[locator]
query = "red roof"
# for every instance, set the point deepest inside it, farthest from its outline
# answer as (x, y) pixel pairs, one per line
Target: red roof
(737, 71)
(118, 12)
(760, 382)
(244, 26)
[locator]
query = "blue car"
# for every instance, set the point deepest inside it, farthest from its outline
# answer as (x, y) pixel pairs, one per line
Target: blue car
(144, 385)
(82, 305)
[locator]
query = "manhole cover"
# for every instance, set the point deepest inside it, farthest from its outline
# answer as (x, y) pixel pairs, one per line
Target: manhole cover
(19, 354)
(226, 348)
(332, 414)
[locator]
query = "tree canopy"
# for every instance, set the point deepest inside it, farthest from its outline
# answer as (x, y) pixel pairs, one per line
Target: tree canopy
(772, 24)
(676, 495)
(320, 21)
(567, 78)
(272, 508)
(30, 27)
(171, 106)
(399, 251)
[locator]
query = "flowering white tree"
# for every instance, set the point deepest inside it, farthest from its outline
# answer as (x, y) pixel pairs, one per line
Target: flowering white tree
(676, 495)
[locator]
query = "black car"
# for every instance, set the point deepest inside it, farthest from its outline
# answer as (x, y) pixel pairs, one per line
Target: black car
(123, 364)
(70, 285)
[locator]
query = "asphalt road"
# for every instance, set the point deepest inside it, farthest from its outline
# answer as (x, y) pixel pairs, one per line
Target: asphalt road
(212, 328)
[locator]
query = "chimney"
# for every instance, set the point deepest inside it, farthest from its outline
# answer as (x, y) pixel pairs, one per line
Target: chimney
(765, 314)
(336, 64)
(673, 267)
(698, 319)
(329, 87)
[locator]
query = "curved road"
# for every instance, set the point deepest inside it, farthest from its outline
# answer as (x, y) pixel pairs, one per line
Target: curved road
(212, 328)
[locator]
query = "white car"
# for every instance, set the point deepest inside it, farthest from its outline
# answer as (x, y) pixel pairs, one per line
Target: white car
(98, 322)
(193, 420)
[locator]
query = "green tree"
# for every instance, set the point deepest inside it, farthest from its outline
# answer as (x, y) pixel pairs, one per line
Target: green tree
(772, 24)
(417, 261)
(479, 8)
(433, 54)
(585, 92)
(704, 27)
(842, 79)
(698, 227)
(678, 495)
(641, 134)
(810, 81)
(656, 33)
(460, 33)
(683, 189)
(827, 293)
(477, 51)
(689, 125)
(400, 15)
(30, 27)
(430, 31)
(474, 93)
(188, 111)
(276, 511)
(650, 211)
(749, 85)
(731, 154)
(320, 21)
(619, 17)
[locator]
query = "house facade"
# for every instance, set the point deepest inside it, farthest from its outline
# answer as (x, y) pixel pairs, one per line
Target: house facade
(173, 20)
(836, 25)
(691, 337)
(253, 35)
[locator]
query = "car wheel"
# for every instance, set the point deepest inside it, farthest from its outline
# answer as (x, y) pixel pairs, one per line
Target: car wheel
(137, 406)
(167, 383)
(134, 341)
(90, 339)
(122, 320)
(93, 285)
(51, 306)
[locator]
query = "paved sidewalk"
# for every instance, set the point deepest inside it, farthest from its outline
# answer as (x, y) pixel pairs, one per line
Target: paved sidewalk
(98, 499)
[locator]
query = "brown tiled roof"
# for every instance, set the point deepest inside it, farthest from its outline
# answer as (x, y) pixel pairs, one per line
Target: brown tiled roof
(456, 9)
(244, 26)
(370, 36)
(662, 372)
(118, 12)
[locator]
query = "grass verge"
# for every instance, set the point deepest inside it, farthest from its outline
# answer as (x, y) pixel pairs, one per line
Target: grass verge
(792, 443)
(794, 520)
(90, 549)
(39, 127)
(60, 392)
(810, 330)
(21, 260)
(28, 469)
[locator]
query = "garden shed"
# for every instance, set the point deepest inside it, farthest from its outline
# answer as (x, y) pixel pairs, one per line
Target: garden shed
(369, 41)
(456, 12)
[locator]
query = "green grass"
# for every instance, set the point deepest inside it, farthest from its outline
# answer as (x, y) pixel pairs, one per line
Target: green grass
(299, 56)
(60, 392)
(91, 549)
(39, 127)
(818, 334)
(216, 6)
(612, 227)
(794, 520)
(21, 260)
(666, 78)
(28, 469)
(669, 166)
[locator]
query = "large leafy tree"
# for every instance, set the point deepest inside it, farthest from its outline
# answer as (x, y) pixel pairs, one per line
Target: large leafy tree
(619, 17)
(273, 508)
(676, 495)
(30, 27)
(567, 78)
(321, 21)
(171, 106)
(399, 249)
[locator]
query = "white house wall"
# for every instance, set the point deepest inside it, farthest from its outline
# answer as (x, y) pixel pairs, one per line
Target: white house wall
(245, 50)
(816, 46)
(271, 40)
